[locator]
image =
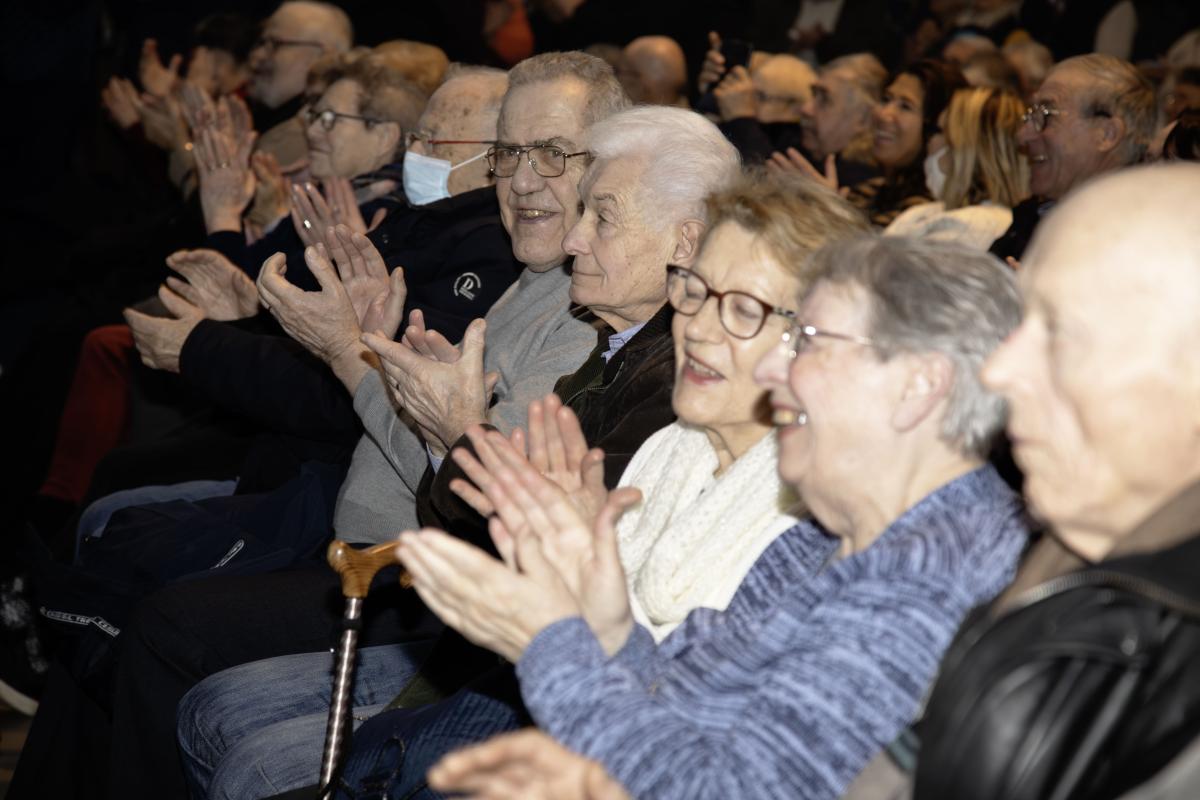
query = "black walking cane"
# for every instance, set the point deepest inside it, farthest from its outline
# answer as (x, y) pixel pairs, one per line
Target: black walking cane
(357, 569)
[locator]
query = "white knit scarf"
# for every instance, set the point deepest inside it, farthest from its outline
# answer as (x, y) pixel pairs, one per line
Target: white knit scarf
(693, 538)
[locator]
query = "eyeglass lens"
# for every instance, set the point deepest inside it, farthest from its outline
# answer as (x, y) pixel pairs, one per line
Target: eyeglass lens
(546, 160)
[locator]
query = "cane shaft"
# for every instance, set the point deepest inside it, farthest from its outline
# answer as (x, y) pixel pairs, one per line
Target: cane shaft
(343, 681)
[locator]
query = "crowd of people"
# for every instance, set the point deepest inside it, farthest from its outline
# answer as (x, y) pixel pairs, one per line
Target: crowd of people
(808, 410)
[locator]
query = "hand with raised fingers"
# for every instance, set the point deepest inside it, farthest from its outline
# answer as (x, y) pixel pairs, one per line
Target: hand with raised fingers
(444, 399)
(272, 190)
(558, 450)
(122, 102)
(199, 110)
(311, 215)
(162, 121)
(713, 68)
(360, 268)
(159, 340)
(523, 765)
(493, 605)
(226, 180)
(157, 79)
(212, 283)
(736, 96)
(793, 162)
(342, 201)
(428, 342)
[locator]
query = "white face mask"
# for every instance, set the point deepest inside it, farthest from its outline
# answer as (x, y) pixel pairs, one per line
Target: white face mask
(935, 179)
(426, 179)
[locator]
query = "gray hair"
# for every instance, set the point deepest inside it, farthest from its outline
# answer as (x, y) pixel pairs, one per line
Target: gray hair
(689, 157)
(605, 94)
(864, 73)
(1119, 90)
(929, 296)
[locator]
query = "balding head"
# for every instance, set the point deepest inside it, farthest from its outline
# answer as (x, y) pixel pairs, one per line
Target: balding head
(463, 109)
(1103, 376)
(653, 71)
(293, 39)
(784, 85)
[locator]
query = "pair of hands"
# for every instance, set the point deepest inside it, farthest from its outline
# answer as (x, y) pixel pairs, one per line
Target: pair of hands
(211, 287)
(525, 765)
(314, 213)
(553, 524)
(733, 89)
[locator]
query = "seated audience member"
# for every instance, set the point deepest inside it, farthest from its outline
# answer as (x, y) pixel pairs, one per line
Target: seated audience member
(883, 430)
(423, 64)
(760, 107)
(836, 122)
(901, 127)
(713, 499)
(1092, 114)
(653, 71)
(974, 171)
(1084, 683)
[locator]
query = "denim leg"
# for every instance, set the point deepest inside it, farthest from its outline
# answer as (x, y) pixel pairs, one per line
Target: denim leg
(243, 702)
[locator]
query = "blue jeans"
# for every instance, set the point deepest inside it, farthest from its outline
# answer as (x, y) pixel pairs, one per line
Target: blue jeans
(258, 729)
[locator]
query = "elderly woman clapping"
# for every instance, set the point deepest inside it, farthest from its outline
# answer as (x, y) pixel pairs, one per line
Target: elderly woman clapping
(882, 426)
(712, 497)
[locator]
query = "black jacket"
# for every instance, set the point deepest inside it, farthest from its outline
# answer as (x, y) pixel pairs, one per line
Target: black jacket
(619, 404)
(1085, 688)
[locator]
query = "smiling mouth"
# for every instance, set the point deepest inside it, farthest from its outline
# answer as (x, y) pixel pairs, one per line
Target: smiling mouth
(700, 370)
(531, 214)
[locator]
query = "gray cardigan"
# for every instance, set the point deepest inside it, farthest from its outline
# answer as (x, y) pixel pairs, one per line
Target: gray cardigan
(533, 338)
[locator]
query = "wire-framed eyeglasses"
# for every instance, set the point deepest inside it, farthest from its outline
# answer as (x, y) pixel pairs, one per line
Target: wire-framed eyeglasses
(328, 118)
(273, 43)
(412, 137)
(547, 160)
(1037, 115)
(798, 338)
(741, 314)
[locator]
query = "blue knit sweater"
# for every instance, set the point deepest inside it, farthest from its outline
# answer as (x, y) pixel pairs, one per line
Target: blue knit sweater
(793, 688)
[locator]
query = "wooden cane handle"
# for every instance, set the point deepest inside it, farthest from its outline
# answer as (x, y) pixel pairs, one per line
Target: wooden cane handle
(357, 568)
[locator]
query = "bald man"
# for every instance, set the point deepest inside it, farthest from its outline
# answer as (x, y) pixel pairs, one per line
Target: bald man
(653, 71)
(1103, 382)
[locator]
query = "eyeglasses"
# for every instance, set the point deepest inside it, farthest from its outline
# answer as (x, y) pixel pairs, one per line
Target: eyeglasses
(546, 160)
(798, 338)
(328, 118)
(742, 315)
(273, 43)
(1038, 114)
(425, 136)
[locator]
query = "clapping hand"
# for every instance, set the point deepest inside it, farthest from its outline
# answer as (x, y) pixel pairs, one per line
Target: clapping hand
(213, 284)
(159, 340)
(122, 102)
(313, 212)
(226, 180)
(524, 765)
(736, 96)
(157, 79)
(794, 163)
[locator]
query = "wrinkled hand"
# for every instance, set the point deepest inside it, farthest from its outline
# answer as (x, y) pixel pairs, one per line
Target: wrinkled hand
(794, 163)
(362, 272)
(525, 765)
(213, 284)
(325, 321)
(157, 79)
(557, 450)
(122, 102)
(226, 180)
(583, 552)
(444, 399)
(714, 63)
(162, 121)
(313, 212)
(272, 189)
(199, 110)
(159, 340)
(736, 96)
(492, 605)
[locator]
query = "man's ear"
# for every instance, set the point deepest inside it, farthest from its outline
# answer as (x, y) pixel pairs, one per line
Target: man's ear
(1111, 133)
(687, 242)
(930, 377)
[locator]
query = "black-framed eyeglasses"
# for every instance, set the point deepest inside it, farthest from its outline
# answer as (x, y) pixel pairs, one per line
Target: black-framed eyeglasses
(273, 43)
(328, 118)
(547, 160)
(742, 315)
(798, 338)
(412, 137)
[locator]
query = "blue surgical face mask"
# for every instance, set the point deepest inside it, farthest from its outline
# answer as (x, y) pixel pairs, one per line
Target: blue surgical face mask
(935, 178)
(426, 179)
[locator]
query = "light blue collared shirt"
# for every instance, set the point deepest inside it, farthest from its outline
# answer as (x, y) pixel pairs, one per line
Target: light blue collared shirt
(619, 340)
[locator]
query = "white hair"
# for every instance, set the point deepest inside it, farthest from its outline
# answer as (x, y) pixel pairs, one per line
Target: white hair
(688, 158)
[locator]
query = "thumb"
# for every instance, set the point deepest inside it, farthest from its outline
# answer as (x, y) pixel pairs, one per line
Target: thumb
(176, 304)
(473, 341)
(619, 500)
(378, 218)
(317, 258)
(592, 470)
(489, 382)
(393, 310)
